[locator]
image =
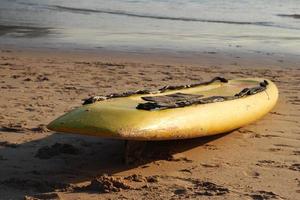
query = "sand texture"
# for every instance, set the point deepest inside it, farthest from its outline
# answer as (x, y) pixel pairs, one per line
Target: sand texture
(258, 161)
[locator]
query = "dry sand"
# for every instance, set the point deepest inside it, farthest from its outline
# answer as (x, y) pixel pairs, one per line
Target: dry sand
(258, 161)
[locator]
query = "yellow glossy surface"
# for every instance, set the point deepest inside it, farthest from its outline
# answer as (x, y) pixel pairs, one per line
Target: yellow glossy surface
(118, 118)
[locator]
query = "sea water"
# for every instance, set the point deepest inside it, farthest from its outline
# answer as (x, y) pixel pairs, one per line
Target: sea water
(153, 25)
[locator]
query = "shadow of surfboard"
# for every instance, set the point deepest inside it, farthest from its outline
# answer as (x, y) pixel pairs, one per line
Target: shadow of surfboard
(26, 173)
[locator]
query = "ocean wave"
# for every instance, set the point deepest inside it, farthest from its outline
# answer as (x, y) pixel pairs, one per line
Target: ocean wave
(295, 16)
(149, 16)
(24, 31)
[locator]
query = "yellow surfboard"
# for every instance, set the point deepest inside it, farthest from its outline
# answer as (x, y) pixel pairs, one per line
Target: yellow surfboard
(178, 112)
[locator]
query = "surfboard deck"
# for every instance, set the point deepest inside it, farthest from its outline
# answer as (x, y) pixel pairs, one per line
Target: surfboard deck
(121, 118)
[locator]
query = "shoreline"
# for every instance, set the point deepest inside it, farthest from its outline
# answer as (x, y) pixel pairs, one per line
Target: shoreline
(193, 58)
(258, 161)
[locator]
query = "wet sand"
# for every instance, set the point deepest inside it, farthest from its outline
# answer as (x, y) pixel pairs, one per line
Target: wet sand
(258, 161)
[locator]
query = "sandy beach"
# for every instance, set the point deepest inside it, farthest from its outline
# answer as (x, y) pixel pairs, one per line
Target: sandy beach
(258, 161)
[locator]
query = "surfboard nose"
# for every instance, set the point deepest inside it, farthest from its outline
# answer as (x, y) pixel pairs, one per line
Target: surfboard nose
(57, 125)
(53, 126)
(83, 120)
(73, 120)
